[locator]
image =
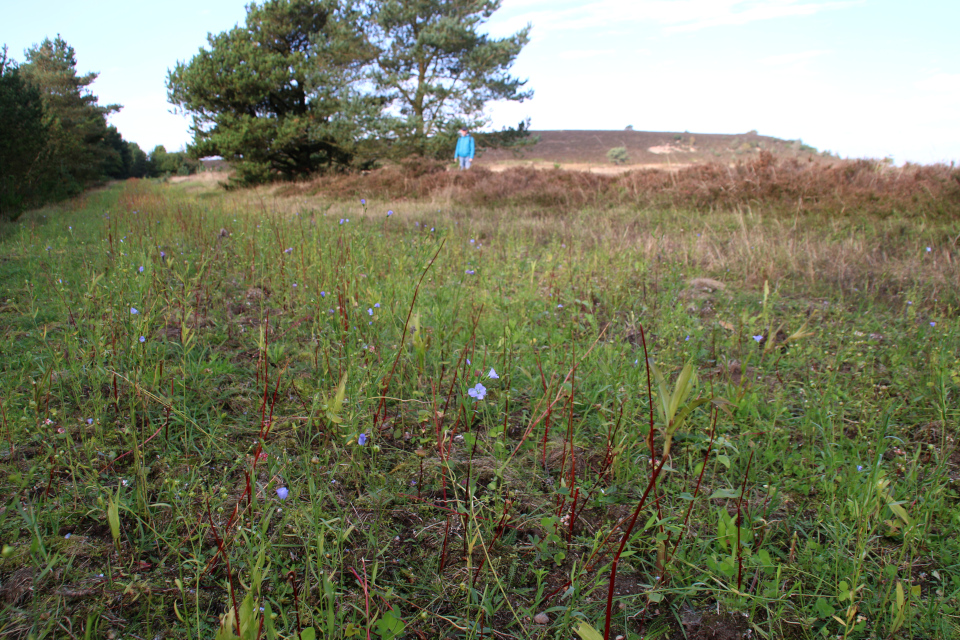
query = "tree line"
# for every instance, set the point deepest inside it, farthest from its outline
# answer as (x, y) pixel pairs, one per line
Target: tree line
(55, 140)
(331, 85)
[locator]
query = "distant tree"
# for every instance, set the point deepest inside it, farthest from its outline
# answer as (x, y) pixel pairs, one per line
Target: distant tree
(277, 97)
(22, 138)
(77, 151)
(162, 163)
(138, 161)
(437, 71)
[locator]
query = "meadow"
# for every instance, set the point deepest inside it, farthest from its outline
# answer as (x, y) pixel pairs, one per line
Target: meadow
(283, 414)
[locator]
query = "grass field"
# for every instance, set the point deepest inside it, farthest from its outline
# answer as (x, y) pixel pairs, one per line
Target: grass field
(239, 414)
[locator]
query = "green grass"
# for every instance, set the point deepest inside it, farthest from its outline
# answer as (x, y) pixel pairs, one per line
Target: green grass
(814, 495)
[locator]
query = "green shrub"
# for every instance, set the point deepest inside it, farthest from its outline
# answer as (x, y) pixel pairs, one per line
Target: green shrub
(618, 155)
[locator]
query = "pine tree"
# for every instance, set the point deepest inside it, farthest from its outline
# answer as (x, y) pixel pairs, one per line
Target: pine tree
(277, 97)
(78, 152)
(437, 71)
(22, 138)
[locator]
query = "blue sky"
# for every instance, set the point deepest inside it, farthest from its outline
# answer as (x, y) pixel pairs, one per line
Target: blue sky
(863, 78)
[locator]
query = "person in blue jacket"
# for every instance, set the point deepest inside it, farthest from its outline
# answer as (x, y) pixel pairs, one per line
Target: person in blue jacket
(465, 149)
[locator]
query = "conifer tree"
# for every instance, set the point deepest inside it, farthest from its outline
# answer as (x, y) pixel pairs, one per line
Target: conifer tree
(437, 71)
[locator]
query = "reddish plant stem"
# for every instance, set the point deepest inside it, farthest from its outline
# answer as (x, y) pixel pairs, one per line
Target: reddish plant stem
(655, 472)
(743, 489)
(292, 578)
(221, 550)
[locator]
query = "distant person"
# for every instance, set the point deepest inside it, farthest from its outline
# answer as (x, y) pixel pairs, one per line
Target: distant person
(465, 149)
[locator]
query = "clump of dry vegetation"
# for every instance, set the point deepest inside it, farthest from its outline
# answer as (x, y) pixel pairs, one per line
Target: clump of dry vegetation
(787, 184)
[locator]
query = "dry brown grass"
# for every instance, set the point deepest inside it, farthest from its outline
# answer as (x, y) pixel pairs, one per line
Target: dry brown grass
(772, 182)
(742, 225)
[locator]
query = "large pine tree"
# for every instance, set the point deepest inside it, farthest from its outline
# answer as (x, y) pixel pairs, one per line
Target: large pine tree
(277, 97)
(22, 138)
(78, 150)
(437, 70)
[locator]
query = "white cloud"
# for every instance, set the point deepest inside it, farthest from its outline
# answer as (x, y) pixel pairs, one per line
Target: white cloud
(673, 15)
(583, 54)
(786, 59)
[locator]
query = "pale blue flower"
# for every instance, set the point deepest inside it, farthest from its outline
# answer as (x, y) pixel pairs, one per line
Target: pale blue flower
(390, 213)
(929, 249)
(282, 493)
(362, 439)
(323, 294)
(470, 272)
(369, 312)
(140, 269)
(133, 311)
(859, 467)
(493, 374)
(363, 201)
(143, 339)
(89, 420)
(376, 305)
(758, 338)
(933, 324)
(478, 392)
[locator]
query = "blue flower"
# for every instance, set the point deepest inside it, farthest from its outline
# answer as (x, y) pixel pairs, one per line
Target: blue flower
(362, 439)
(143, 339)
(288, 250)
(294, 285)
(363, 201)
(470, 272)
(472, 241)
(478, 392)
(758, 338)
(369, 312)
(468, 360)
(390, 213)
(282, 493)
(341, 220)
(687, 339)
(559, 306)
(376, 305)
(493, 374)
(859, 467)
(163, 255)
(140, 269)
(133, 311)
(933, 324)
(929, 249)
(89, 420)
(323, 294)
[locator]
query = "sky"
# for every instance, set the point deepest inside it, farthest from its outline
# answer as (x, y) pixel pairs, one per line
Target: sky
(861, 78)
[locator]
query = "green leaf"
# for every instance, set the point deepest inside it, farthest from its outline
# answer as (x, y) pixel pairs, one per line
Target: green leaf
(824, 610)
(308, 634)
(587, 632)
(725, 494)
